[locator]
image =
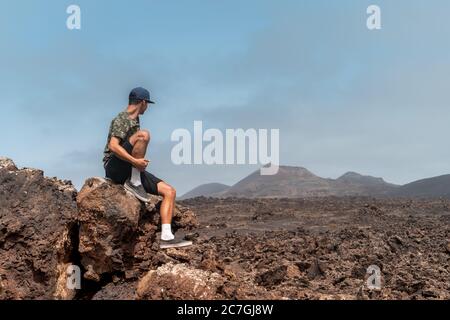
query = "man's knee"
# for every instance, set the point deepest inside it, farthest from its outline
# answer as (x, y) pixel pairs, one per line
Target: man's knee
(172, 192)
(142, 136)
(169, 192)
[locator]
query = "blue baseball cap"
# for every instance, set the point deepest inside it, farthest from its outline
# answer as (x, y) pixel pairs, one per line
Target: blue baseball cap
(140, 94)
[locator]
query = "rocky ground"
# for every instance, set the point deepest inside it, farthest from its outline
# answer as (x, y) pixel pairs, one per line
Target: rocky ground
(244, 249)
(321, 248)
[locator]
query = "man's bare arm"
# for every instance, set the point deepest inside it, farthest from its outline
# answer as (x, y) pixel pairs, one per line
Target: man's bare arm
(114, 146)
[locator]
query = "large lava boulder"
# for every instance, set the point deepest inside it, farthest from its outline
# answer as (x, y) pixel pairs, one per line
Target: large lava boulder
(118, 235)
(179, 282)
(38, 222)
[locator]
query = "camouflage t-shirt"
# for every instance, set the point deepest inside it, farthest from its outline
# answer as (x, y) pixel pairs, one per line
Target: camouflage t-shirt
(121, 127)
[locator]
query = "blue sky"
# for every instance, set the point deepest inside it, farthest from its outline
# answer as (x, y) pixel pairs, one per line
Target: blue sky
(344, 98)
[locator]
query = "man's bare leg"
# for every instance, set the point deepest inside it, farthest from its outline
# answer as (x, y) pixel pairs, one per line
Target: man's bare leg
(140, 141)
(166, 210)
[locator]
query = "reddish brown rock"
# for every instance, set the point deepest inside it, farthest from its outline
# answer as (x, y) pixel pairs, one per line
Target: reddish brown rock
(179, 282)
(109, 218)
(37, 229)
(278, 275)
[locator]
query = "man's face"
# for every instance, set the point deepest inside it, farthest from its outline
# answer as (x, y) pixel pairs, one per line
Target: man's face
(143, 107)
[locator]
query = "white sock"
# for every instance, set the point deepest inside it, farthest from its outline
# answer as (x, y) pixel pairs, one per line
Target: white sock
(135, 177)
(166, 232)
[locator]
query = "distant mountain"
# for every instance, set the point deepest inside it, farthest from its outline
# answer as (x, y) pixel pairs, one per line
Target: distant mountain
(430, 187)
(353, 183)
(288, 182)
(206, 190)
(294, 182)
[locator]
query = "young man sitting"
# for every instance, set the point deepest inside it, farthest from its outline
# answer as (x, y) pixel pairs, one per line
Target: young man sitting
(124, 162)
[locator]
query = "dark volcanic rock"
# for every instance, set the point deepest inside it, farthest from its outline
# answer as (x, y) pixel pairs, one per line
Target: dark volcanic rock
(37, 224)
(332, 242)
(277, 275)
(116, 291)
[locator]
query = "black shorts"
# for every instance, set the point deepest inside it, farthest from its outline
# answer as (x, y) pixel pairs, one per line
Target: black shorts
(119, 171)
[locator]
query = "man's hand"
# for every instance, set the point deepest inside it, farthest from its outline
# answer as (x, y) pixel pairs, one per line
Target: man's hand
(140, 164)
